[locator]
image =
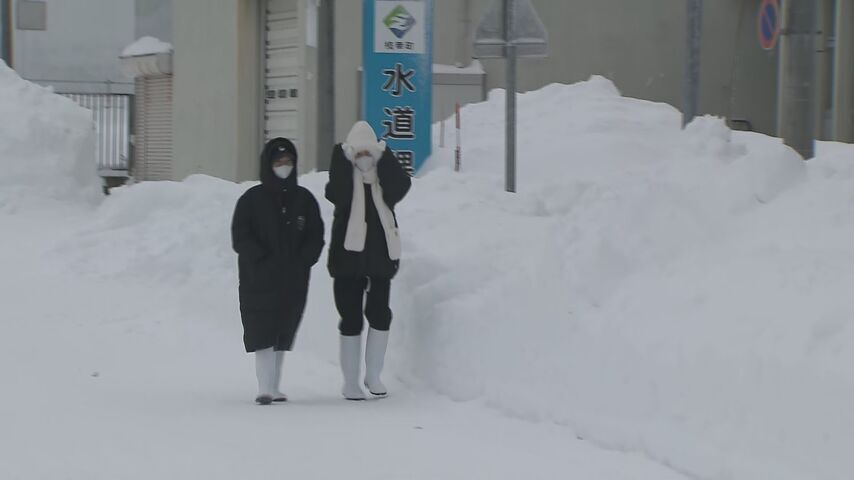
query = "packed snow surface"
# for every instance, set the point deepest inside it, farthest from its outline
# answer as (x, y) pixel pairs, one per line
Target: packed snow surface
(655, 303)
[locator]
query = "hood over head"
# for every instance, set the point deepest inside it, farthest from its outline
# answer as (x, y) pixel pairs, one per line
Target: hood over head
(363, 137)
(273, 150)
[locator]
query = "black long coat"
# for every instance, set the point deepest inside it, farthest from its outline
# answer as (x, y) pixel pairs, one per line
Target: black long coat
(277, 232)
(374, 260)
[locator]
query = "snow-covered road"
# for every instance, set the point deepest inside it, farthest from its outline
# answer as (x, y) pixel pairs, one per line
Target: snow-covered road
(99, 383)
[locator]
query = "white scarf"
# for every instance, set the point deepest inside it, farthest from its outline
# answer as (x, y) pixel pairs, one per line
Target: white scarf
(357, 227)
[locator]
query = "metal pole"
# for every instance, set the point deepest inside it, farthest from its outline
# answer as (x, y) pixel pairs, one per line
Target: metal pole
(824, 69)
(6, 29)
(691, 103)
(442, 130)
(326, 83)
(797, 102)
(458, 151)
(510, 118)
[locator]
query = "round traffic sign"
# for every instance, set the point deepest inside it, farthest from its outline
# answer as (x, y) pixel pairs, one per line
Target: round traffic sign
(769, 23)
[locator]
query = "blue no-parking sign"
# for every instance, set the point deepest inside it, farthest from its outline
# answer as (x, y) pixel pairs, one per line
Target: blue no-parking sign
(397, 91)
(769, 23)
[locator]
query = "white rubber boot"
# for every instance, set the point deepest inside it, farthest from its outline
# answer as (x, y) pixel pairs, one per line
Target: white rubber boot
(265, 371)
(351, 359)
(374, 359)
(278, 396)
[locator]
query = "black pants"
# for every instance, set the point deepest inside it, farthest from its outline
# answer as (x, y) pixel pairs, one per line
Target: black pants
(349, 296)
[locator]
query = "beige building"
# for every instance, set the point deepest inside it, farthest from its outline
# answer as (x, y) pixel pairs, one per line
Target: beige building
(246, 70)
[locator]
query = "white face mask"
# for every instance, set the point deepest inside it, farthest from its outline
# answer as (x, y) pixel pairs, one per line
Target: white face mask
(365, 163)
(284, 171)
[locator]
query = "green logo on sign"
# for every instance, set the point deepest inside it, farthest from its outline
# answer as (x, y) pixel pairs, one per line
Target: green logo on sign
(399, 21)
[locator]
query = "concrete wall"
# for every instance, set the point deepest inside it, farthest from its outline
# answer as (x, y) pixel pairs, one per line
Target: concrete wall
(638, 45)
(4, 43)
(739, 78)
(154, 19)
(79, 51)
(248, 90)
(308, 101)
(348, 60)
(451, 34)
(216, 88)
(450, 89)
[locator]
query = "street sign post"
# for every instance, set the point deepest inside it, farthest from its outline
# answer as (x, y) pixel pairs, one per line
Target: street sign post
(397, 48)
(511, 29)
(691, 102)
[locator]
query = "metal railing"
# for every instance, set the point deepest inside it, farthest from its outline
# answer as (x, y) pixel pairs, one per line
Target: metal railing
(112, 115)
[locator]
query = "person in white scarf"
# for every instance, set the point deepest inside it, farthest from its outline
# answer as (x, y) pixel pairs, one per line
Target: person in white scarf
(365, 183)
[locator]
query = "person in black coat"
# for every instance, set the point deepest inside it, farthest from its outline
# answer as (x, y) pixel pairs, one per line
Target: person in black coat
(365, 184)
(277, 232)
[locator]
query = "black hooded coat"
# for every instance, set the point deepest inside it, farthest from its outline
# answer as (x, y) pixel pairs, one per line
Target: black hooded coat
(277, 232)
(374, 261)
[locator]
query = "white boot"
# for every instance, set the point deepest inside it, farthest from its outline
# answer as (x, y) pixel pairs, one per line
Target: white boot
(278, 396)
(265, 371)
(351, 359)
(374, 358)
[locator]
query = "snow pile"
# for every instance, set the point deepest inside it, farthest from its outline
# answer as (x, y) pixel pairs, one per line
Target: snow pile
(146, 46)
(47, 145)
(681, 294)
(165, 232)
(678, 293)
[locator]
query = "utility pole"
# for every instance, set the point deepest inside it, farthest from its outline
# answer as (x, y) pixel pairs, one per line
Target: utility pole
(6, 31)
(510, 112)
(824, 68)
(796, 103)
(691, 103)
(325, 83)
(843, 78)
(511, 29)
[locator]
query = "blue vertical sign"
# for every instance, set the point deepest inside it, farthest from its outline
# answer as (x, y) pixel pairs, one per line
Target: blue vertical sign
(397, 87)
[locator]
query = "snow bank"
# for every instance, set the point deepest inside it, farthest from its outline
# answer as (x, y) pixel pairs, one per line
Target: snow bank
(47, 145)
(678, 293)
(146, 46)
(682, 294)
(164, 232)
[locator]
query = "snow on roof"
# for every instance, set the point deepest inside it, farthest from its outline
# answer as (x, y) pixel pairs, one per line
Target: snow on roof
(475, 68)
(146, 46)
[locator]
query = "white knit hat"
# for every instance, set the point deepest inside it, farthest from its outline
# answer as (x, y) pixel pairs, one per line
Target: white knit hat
(362, 137)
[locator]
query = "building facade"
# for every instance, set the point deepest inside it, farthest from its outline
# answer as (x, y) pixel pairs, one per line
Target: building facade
(246, 70)
(72, 46)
